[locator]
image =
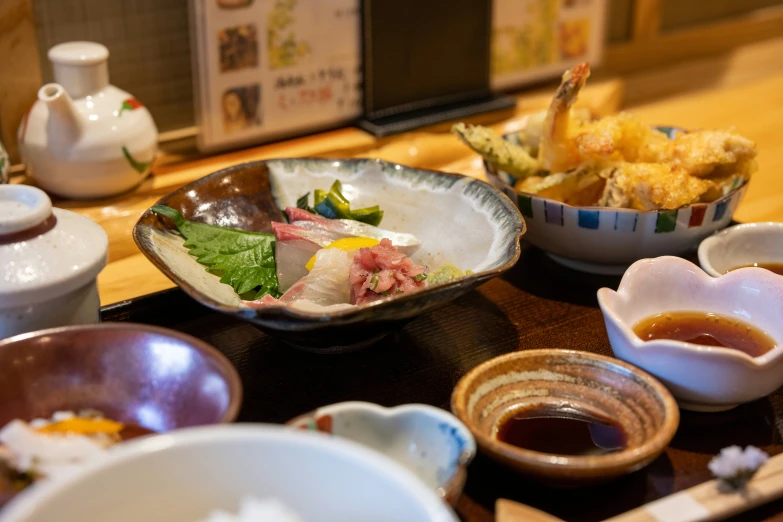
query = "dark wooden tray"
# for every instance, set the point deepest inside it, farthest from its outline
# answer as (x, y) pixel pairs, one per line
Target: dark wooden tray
(538, 304)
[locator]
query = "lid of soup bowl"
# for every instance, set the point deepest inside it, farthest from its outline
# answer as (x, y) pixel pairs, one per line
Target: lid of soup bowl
(45, 252)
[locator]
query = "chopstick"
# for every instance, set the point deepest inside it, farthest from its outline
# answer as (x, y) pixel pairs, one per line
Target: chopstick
(704, 502)
(710, 501)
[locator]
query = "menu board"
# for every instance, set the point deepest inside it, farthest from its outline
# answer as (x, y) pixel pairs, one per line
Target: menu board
(265, 69)
(536, 39)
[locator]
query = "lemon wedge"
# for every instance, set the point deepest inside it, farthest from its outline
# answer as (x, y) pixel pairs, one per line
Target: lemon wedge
(347, 244)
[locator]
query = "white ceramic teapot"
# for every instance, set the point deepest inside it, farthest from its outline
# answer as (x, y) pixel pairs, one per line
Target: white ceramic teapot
(84, 138)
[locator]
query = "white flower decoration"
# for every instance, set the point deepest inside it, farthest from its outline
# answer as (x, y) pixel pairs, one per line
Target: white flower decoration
(736, 466)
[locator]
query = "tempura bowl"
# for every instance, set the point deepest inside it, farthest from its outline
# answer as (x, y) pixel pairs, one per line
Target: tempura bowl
(607, 241)
(459, 220)
(185, 475)
(153, 377)
(702, 378)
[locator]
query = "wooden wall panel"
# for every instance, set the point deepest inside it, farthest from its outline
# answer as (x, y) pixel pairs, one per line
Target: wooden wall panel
(20, 76)
(149, 45)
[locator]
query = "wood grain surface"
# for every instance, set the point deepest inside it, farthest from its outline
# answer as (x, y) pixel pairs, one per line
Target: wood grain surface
(537, 304)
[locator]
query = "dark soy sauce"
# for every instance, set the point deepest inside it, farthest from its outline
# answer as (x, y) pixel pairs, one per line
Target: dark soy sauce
(706, 329)
(776, 268)
(548, 430)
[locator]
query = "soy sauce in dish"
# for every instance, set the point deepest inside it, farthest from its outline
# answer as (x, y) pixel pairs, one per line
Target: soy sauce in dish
(706, 329)
(562, 432)
(776, 268)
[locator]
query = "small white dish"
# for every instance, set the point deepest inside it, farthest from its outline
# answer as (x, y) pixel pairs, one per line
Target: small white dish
(741, 245)
(49, 259)
(429, 441)
(702, 378)
(185, 475)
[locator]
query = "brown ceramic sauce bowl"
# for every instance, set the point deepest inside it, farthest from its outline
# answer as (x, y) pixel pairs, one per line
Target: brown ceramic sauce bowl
(153, 377)
(594, 384)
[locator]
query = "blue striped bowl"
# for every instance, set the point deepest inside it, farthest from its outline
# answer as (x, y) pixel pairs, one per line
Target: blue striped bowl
(607, 241)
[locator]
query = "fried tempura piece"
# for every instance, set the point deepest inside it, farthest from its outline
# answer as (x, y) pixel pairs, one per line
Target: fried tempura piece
(718, 153)
(506, 156)
(557, 152)
(533, 128)
(651, 186)
(622, 137)
(580, 187)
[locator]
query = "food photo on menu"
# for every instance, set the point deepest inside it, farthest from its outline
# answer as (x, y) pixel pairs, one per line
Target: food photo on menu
(347, 260)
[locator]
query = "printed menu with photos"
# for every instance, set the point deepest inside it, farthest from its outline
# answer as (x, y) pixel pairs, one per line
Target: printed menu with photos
(265, 69)
(537, 39)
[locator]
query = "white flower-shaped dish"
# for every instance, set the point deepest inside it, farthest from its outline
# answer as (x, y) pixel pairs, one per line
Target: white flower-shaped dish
(702, 378)
(742, 245)
(431, 442)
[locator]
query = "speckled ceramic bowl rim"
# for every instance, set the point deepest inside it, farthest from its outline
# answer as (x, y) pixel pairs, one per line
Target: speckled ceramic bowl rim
(233, 380)
(451, 488)
(725, 234)
(714, 352)
(345, 314)
(491, 172)
(534, 459)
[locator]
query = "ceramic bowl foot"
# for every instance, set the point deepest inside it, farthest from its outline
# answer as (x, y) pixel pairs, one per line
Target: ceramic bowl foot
(338, 348)
(706, 408)
(590, 268)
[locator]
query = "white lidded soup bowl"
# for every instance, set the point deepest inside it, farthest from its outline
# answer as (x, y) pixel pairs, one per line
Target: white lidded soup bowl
(185, 475)
(701, 378)
(50, 259)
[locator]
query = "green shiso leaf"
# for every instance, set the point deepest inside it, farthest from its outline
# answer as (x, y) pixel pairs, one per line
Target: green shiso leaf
(244, 260)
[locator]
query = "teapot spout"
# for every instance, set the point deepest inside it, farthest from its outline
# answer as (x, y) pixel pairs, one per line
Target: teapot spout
(64, 127)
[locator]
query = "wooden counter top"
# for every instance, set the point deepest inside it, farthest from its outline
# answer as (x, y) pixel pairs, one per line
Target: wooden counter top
(754, 106)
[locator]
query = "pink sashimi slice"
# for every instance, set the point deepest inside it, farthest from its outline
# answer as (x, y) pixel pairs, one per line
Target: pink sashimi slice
(300, 214)
(340, 228)
(383, 271)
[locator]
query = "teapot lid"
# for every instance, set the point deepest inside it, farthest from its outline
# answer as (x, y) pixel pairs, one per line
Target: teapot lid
(45, 252)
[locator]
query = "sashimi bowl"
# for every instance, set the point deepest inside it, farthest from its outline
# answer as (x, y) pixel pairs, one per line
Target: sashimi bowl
(457, 231)
(604, 240)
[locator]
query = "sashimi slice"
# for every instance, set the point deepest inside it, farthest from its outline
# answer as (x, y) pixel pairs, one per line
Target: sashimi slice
(326, 288)
(327, 283)
(405, 243)
(294, 246)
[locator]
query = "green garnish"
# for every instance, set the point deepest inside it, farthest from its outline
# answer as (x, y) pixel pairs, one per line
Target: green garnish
(302, 203)
(386, 292)
(446, 273)
(374, 281)
(334, 205)
(419, 278)
(244, 260)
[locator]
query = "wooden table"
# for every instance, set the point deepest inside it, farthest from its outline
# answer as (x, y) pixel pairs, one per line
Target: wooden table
(744, 90)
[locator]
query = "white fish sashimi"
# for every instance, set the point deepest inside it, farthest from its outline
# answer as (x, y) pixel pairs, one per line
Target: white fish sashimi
(327, 283)
(325, 289)
(294, 246)
(405, 243)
